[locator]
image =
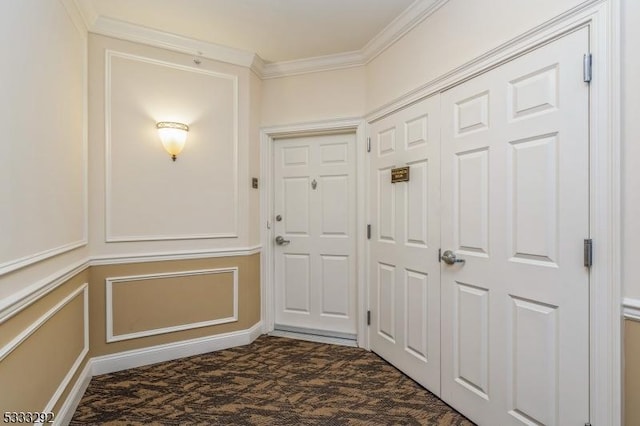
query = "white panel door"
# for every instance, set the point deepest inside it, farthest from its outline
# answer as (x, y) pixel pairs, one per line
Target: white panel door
(404, 273)
(314, 199)
(515, 207)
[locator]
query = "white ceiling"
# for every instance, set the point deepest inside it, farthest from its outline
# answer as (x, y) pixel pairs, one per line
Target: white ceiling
(277, 30)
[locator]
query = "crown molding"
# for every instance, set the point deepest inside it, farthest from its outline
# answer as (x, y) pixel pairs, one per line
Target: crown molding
(136, 33)
(315, 64)
(76, 16)
(417, 12)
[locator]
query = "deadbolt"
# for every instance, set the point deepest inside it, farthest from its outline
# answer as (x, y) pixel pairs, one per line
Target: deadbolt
(279, 218)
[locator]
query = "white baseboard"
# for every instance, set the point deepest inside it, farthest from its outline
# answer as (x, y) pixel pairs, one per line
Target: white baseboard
(64, 416)
(154, 354)
(631, 308)
(147, 356)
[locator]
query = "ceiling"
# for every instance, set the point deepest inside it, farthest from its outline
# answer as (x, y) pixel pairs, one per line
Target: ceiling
(277, 30)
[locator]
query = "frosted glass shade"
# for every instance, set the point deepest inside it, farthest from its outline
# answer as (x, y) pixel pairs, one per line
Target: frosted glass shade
(173, 136)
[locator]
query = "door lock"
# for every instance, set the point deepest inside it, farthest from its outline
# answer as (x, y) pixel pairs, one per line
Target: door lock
(281, 241)
(450, 258)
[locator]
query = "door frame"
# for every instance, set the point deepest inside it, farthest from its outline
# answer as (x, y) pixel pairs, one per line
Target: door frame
(602, 17)
(268, 135)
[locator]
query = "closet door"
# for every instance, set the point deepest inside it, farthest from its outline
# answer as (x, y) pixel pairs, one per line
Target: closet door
(515, 209)
(404, 272)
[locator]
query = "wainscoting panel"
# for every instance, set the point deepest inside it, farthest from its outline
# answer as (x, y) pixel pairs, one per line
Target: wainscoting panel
(37, 365)
(150, 304)
(139, 305)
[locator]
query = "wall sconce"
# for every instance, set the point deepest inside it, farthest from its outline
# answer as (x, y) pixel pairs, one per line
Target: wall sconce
(173, 136)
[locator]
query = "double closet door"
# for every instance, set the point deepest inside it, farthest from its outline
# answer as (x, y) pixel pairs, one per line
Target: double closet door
(498, 327)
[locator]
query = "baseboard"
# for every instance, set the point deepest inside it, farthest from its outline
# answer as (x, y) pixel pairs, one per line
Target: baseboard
(154, 354)
(631, 308)
(64, 416)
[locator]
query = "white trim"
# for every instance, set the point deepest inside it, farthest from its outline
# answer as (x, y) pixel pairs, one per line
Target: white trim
(631, 308)
(76, 16)
(13, 265)
(110, 281)
(165, 40)
(417, 12)
(13, 304)
(109, 237)
(36, 325)
(68, 408)
(602, 17)
(74, 368)
(118, 259)
(27, 332)
(176, 350)
(316, 64)
(267, 138)
(580, 15)
(138, 358)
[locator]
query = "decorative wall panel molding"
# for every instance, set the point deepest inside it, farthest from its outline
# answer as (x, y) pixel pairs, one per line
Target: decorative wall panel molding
(5, 351)
(129, 280)
(149, 198)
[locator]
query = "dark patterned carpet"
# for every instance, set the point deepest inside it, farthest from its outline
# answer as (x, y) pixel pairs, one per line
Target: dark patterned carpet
(273, 381)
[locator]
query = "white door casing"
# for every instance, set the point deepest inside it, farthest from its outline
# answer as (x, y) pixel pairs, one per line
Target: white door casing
(515, 207)
(404, 275)
(314, 195)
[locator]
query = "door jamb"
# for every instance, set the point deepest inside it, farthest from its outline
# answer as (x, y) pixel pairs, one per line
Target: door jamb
(267, 137)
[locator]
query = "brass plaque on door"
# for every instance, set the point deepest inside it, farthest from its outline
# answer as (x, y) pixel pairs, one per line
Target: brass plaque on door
(401, 174)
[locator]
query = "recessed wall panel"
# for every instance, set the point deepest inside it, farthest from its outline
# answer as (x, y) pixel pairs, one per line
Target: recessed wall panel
(386, 301)
(334, 153)
(180, 300)
(386, 206)
(334, 191)
(471, 206)
(416, 132)
(335, 285)
(296, 205)
(417, 313)
(387, 141)
(534, 93)
(534, 199)
(534, 352)
(296, 283)
(471, 340)
(417, 203)
(295, 156)
(472, 114)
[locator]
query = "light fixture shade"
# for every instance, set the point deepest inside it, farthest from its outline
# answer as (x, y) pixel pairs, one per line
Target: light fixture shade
(173, 136)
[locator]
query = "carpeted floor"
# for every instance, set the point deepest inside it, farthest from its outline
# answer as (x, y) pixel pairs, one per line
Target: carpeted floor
(273, 381)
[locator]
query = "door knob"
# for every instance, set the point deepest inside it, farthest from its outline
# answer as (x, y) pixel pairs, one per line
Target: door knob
(281, 241)
(449, 258)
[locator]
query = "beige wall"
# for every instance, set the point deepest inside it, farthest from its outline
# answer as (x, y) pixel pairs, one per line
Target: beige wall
(314, 97)
(189, 297)
(632, 372)
(34, 367)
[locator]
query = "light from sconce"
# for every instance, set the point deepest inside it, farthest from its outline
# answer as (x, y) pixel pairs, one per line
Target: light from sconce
(173, 136)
